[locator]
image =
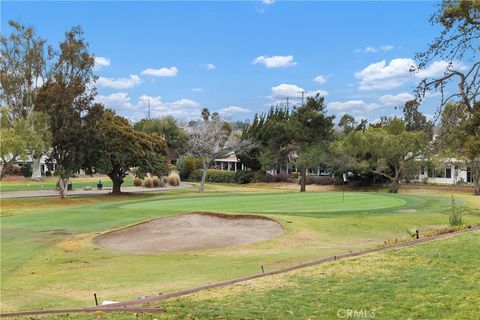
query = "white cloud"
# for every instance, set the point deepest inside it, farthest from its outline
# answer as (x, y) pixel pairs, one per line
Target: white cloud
(183, 109)
(396, 100)
(197, 89)
(119, 83)
(162, 72)
(370, 49)
(353, 106)
(320, 79)
(117, 100)
(101, 62)
(268, 1)
(293, 91)
(387, 48)
(208, 66)
(275, 61)
(231, 110)
(381, 75)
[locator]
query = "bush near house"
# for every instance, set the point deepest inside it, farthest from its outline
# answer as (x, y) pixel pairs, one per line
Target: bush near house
(320, 180)
(137, 182)
(243, 177)
(26, 170)
(281, 177)
(220, 176)
(148, 182)
(187, 165)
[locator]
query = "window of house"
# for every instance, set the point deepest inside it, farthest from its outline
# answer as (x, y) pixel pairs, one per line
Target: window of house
(448, 172)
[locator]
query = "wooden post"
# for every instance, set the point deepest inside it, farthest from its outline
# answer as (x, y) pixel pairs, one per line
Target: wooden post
(417, 235)
(263, 271)
(95, 296)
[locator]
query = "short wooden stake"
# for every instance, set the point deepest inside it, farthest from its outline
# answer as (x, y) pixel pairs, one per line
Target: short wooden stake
(417, 234)
(263, 271)
(95, 296)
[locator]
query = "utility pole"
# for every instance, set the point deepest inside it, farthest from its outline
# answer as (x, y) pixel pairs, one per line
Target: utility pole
(148, 112)
(288, 98)
(303, 96)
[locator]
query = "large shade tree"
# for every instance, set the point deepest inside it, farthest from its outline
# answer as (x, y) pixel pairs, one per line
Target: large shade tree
(390, 151)
(23, 68)
(117, 148)
(459, 137)
(66, 97)
(168, 129)
(312, 131)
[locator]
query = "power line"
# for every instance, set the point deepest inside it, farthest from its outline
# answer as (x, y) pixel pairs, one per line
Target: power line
(148, 112)
(303, 96)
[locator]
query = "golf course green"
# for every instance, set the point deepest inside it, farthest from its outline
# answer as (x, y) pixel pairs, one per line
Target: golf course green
(48, 258)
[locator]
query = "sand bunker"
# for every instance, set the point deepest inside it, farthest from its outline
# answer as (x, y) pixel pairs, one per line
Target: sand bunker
(194, 231)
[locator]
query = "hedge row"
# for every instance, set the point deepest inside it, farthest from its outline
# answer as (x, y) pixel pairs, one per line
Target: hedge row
(223, 176)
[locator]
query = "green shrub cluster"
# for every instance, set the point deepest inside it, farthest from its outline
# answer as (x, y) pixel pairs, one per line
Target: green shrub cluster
(187, 165)
(224, 176)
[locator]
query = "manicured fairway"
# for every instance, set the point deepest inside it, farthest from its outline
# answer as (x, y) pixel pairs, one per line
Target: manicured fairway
(48, 259)
(434, 280)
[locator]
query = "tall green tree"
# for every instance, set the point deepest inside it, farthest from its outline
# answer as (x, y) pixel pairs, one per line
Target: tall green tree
(118, 147)
(390, 151)
(459, 137)
(312, 130)
(23, 68)
(67, 97)
(167, 128)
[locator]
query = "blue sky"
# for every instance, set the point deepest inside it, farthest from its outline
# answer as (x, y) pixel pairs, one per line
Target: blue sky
(239, 58)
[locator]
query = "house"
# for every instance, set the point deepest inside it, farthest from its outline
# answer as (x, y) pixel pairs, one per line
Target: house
(229, 163)
(450, 171)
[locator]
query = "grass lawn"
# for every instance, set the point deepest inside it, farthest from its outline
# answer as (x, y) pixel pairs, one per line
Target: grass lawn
(49, 183)
(434, 280)
(48, 260)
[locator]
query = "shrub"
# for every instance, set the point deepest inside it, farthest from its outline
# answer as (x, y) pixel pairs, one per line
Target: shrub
(220, 176)
(137, 182)
(320, 180)
(26, 170)
(172, 167)
(243, 177)
(281, 177)
(148, 182)
(187, 165)
(295, 175)
(173, 179)
(257, 176)
(48, 173)
(455, 218)
(157, 182)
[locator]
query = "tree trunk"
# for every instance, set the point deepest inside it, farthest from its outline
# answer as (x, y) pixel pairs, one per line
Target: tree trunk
(303, 179)
(204, 177)
(36, 169)
(393, 188)
(476, 189)
(6, 166)
(62, 187)
(117, 180)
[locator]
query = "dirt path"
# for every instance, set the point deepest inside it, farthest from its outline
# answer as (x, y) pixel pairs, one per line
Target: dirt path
(126, 306)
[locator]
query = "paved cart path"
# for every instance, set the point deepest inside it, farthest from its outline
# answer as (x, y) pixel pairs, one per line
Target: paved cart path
(81, 192)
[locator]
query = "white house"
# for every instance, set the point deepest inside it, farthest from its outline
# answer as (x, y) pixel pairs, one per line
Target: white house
(452, 171)
(229, 163)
